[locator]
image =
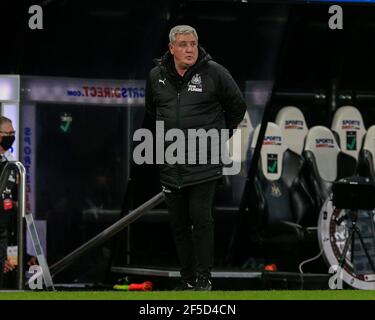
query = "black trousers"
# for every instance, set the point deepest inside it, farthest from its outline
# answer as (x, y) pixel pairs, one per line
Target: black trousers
(190, 209)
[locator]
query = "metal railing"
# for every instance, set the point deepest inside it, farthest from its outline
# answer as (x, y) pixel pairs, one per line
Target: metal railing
(106, 234)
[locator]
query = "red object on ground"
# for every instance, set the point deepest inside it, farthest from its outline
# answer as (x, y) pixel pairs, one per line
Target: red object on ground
(145, 286)
(270, 267)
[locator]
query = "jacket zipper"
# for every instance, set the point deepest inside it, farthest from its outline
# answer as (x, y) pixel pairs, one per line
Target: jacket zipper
(179, 179)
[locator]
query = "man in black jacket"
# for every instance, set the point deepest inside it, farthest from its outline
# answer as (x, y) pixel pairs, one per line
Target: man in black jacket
(7, 137)
(188, 90)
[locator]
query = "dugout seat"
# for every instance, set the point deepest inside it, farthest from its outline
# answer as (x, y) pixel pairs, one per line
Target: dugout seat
(349, 130)
(293, 127)
(281, 201)
(326, 163)
(366, 162)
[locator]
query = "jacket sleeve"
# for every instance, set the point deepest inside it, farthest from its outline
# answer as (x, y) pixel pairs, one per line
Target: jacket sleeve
(149, 100)
(231, 98)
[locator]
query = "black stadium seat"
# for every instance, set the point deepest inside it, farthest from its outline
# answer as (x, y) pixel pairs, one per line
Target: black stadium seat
(281, 202)
(326, 163)
(294, 129)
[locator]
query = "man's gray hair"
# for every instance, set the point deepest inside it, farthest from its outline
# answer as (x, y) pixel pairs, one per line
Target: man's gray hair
(4, 119)
(183, 29)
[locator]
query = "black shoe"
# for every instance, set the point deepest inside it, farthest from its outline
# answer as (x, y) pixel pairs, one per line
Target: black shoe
(185, 285)
(203, 284)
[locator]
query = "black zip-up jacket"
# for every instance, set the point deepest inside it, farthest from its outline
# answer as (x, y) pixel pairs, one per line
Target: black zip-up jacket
(206, 97)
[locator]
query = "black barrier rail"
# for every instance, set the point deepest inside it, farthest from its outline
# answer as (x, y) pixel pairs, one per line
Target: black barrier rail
(106, 234)
(365, 96)
(21, 209)
(346, 95)
(318, 95)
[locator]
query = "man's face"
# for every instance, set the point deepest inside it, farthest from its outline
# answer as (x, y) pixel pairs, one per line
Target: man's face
(184, 50)
(6, 129)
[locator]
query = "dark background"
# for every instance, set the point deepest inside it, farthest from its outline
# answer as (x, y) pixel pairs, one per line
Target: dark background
(111, 39)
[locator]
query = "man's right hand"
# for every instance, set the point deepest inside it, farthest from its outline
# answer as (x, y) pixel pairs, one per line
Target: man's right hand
(8, 266)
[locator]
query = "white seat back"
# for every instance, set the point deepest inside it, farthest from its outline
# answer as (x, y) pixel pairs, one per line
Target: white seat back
(293, 126)
(348, 124)
(272, 152)
(321, 142)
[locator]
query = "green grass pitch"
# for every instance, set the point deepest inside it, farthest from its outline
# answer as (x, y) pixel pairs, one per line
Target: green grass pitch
(173, 295)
